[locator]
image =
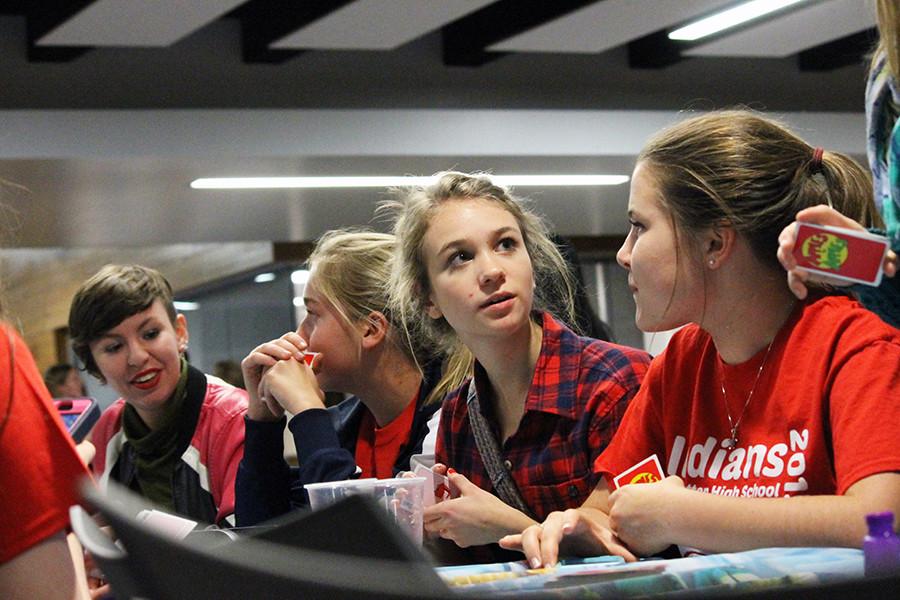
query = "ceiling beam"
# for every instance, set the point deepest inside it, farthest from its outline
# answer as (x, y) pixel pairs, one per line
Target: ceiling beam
(45, 16)
(266, 21)
(377, 24)
(466, 41)
(850, 50)
(135, 23)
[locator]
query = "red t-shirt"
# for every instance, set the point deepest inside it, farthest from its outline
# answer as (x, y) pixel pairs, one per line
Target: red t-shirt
(40, 471)
(823, 416)
(377, 448)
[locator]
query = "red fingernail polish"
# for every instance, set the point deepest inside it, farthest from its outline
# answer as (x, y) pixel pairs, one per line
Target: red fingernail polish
(451, 471)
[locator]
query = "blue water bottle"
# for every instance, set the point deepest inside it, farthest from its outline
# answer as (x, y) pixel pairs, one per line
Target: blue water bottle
(881, 547)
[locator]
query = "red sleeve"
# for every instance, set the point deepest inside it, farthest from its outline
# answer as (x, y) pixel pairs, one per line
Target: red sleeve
(41, 469)
(640, 433)
(226, 453)
(864, 432)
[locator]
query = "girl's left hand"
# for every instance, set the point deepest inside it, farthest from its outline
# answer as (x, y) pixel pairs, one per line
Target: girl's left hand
(640, 514)
(292, 384)
(476, 517)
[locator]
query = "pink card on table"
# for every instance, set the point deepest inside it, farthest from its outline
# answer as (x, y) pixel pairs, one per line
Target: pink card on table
(845, 254)
(647, 471)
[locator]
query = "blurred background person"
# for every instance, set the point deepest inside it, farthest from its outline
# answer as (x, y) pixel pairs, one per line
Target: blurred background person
(229, 371)
(63, 381)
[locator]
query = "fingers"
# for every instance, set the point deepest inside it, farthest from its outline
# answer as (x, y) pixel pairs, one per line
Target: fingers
(86, 452)
(825, 215)
(439, 468)
(797, 283)
(890, 264)
(511, 542)
(540, 543)
(292, 338)
(786, 241)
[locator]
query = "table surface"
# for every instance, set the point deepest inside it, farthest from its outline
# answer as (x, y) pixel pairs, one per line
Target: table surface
(763, 568)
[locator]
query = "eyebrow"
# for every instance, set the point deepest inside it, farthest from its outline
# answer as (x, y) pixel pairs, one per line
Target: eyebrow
(139, 327)
(459, 242)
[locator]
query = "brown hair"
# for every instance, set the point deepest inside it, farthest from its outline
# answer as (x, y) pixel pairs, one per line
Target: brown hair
(353, 268)
(410, 287)
(107, 298)
(748, 171)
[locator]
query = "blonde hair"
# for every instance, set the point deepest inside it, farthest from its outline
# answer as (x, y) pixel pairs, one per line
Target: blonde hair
(752, 173)
(410, 288)
(889, 34)
(352, 268)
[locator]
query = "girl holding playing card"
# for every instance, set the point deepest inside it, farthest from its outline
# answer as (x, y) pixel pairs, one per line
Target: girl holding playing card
(883, 149)
(768, 415)
(477, 274)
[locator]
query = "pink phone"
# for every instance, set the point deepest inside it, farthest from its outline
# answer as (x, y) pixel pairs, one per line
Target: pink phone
(78, 415)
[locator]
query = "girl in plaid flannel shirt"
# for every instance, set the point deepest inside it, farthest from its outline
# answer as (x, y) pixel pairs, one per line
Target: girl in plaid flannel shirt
(477, 273)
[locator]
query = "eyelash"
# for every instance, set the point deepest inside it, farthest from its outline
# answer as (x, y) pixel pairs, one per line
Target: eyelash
(636, 225)
(150, 334)
(505, 244)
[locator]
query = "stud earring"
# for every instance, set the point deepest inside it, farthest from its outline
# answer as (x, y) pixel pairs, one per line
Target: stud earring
(712, 262)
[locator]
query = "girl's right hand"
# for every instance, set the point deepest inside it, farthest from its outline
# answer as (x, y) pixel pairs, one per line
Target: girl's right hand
(818, 215)
(577, 531)
(291, 385)
(260, 360)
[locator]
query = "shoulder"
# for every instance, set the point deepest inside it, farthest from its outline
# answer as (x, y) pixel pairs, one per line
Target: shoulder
(841, 321)
(223, 403)
(108, 424)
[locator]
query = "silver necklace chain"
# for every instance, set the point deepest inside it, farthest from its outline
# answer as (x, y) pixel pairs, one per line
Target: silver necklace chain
(732, 440)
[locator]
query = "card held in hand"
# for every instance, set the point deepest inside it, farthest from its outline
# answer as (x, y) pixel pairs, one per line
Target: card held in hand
(838, 253)
(647, 471)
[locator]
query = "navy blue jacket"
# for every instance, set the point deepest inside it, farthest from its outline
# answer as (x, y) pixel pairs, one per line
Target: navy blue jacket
(267, 487)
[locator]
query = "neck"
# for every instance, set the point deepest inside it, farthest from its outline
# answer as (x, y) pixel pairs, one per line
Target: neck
(509, 365)
(390, 382)
(749, 304)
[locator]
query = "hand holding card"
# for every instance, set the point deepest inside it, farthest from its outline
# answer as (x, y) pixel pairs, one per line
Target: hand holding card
(437, 487)
(840, 254)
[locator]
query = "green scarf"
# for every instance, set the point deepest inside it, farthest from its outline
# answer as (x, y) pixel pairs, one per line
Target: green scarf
(157, 451)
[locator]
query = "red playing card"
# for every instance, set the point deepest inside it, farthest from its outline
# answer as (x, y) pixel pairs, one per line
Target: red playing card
(647, 471)
(309, 357)
(855, 256)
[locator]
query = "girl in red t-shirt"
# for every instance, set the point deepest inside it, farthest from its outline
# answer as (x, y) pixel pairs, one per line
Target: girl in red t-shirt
(767, 415)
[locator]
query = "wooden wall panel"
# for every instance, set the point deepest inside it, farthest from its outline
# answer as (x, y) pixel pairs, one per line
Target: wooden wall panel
(38, 284)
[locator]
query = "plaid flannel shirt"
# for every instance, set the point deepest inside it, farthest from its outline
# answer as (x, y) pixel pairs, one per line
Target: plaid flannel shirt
(579, 393)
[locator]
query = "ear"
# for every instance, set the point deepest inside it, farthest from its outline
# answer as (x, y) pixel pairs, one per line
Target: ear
(717, 245)
(431, 309)
(181, 332)
(374, 329)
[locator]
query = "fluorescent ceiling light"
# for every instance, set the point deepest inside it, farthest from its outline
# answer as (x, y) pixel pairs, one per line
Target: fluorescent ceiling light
(300, 276)
(264, 278)
(248, 183)
(183, 306)
(729, 18)
(298, 301)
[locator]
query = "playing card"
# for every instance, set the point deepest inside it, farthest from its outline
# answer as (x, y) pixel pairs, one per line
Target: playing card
(844, 254)
(439, 485)
(309, 357)
(647, 471)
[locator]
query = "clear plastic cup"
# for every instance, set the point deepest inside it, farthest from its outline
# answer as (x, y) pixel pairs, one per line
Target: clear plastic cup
(329, 492)
(402, 497)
